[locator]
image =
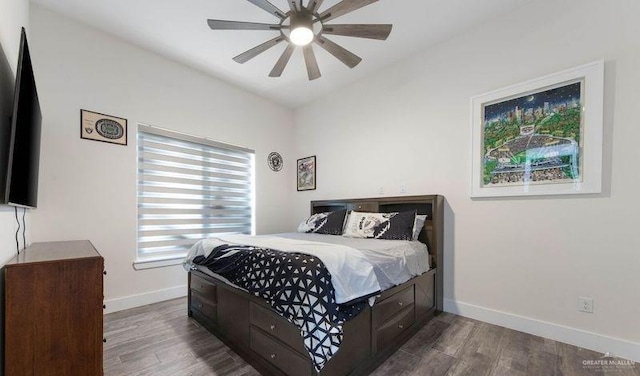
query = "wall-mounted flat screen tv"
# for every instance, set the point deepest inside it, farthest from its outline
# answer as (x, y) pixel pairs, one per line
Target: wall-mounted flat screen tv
(24, 146)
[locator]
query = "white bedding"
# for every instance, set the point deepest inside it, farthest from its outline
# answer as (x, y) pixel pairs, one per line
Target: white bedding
(358, 267)
(394, 261)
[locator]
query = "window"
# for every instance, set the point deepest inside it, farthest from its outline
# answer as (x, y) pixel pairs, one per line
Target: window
(188, 189)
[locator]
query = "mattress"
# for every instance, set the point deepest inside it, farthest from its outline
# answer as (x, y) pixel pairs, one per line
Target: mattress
(394, 261)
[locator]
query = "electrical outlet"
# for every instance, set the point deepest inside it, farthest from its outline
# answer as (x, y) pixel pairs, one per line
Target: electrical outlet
(585, 305)
(403, 188)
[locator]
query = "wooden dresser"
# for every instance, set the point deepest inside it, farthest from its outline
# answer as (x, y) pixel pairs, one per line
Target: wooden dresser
(53, 310)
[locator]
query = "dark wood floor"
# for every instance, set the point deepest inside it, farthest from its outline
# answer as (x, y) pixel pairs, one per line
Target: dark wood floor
(160, 339)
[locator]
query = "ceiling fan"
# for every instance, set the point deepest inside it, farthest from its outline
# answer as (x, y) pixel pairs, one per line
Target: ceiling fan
(301, 26)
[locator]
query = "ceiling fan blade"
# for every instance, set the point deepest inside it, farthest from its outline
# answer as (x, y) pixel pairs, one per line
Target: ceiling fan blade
(257, 50)
(283, 61)
(312, 64)
(314, 5)
(348, 58)
(270, 8)
(380, 32)
(237, 25)
(344, 7)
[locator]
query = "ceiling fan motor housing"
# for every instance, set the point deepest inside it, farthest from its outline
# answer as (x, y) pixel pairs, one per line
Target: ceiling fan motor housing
(302, 18)
(301, 26)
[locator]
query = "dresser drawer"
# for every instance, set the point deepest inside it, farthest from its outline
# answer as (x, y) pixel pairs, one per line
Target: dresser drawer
(387, 308)
(287, 360)
(386, 334)
(205, 306)
(204, 288)
(276, 326)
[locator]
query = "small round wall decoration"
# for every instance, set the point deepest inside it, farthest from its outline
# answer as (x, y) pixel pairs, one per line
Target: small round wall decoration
(275, 161)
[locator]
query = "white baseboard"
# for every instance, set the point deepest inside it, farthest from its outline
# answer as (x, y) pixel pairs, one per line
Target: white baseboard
(132, 301)
(577, 337)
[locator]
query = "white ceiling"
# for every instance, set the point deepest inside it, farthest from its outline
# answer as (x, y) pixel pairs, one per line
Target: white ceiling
(178, 30)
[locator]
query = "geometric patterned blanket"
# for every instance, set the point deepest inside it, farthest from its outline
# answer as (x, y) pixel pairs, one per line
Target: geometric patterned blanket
(297, 286)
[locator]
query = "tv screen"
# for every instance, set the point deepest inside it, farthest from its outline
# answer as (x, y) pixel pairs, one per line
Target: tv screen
(24, 148)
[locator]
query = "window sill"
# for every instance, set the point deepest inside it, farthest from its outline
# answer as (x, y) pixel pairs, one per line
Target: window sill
(152, 264)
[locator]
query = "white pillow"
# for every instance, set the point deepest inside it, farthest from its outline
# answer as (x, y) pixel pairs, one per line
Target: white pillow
(418, 225)
(391, 226)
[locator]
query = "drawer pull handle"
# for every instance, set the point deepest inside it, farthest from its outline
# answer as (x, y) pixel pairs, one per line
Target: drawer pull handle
(104, 340)
(272, 327)
(401, 326)
(273, 356)
(104, 272)
(104, 306)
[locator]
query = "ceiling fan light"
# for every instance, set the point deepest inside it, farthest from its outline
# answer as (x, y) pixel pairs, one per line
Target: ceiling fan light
(301, 36)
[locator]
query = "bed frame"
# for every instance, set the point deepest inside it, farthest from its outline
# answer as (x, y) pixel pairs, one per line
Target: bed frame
(274, 346)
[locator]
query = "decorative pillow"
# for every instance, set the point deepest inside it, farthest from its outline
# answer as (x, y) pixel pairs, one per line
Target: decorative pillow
(329, 223)
(392, 226)
(418, 225)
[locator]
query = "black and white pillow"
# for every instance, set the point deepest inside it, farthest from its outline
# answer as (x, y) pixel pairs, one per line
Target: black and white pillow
(329, 223)
(391, 226)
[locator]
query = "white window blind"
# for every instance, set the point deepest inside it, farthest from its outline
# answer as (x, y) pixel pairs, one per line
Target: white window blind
(188, 189)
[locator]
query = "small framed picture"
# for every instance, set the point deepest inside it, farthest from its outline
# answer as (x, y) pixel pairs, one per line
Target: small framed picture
(306, 173)
(105, 128)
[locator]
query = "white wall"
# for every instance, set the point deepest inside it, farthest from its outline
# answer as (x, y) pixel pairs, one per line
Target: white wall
(518, 262)
(14, 14)
(88, 189)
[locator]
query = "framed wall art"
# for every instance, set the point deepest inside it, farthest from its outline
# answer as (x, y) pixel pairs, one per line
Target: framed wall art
(541, 137)
(105, 128)
(306, 173)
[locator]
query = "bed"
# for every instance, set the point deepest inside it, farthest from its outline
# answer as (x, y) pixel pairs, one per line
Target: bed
(274, 346)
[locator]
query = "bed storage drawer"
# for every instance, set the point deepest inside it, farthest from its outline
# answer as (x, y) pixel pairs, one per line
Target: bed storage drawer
(205, 306)
(389, 307)
(285, 359)
(276, 326)
(204, 288)
(390, 330)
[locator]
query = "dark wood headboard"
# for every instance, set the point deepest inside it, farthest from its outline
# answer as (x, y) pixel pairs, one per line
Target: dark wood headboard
(432, 234)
